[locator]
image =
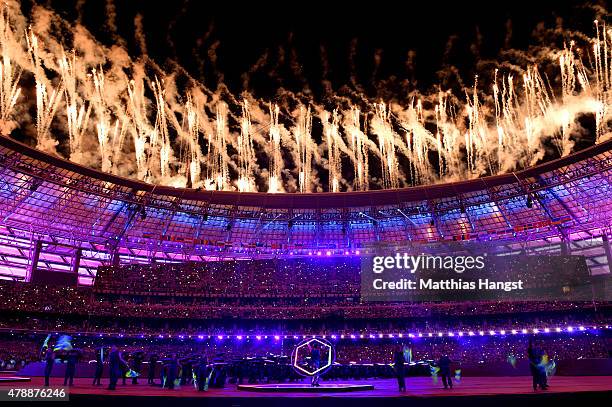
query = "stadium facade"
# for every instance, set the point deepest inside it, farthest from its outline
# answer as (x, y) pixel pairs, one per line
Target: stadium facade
(60, 216)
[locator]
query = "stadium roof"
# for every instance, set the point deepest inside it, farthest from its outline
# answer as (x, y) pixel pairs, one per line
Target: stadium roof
(314, 199)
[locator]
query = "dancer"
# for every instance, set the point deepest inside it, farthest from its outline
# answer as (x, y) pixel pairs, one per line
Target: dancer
(49, 360)
(137, 359)
(538, 371)
(315, 361)
(71, 362)
(202, 374)
(172, 371)
(115, 364)
(398, 365)
(445, 371)
(152, 364)
(99, 366)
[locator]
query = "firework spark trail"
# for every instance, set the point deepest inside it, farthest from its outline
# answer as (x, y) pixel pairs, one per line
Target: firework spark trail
(276, 158)
(218, 172)
(359, 148)
(381, 127)
(48, 98)
(449, 136)
(195, 151)
(476, 135)
(302, 133)
(160, 135)
(110, 136)
(140, 127)
(77, 111)
(419, 140)
(246, 153)
(9, 75)
(332, 137)
(484, 134)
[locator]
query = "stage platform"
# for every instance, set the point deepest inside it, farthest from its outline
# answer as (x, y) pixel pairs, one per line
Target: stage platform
(13, 379)
(421, 391)
(329, 387)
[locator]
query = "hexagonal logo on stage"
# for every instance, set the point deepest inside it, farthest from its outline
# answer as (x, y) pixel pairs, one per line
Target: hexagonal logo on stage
(302, 361)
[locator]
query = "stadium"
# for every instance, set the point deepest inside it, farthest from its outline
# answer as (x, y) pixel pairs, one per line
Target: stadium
(159, 268)
(148, 264)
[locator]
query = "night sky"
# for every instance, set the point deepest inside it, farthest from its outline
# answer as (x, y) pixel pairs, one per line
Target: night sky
(309, 42)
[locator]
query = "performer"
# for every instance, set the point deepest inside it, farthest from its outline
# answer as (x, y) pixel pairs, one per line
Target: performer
(538, 371)
(201, 370)
(398, 365)
(445, 371)
(99, 366)
(186, 370)
(115, 363)
(315, 361)
(171, 373)
(152, 364)
(137, 365)
(125, 367)
(71, 359)
(49, 360)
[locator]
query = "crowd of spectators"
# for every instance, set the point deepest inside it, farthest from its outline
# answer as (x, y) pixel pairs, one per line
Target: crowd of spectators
(29, 297)
(235, 278)
(85, 301)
